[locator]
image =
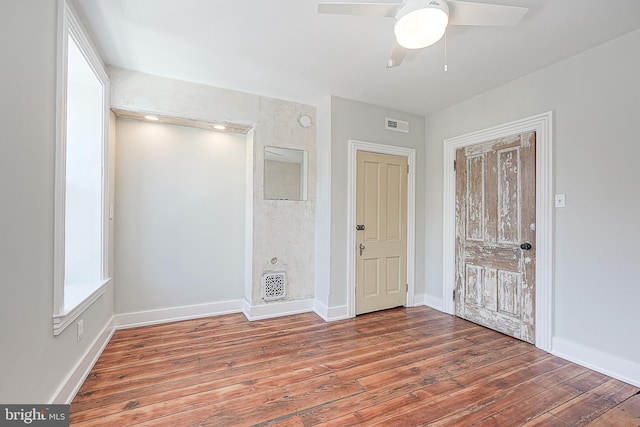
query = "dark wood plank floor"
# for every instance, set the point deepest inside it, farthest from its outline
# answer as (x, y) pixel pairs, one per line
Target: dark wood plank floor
(401, 367)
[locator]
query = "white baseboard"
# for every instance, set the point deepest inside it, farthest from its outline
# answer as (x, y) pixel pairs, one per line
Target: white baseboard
(418, 300)
(276, 309)
(330, 314)
(321, 310)
(172, 314)
(434, 302)
(338, 313)
(605, 363)
(70, 386)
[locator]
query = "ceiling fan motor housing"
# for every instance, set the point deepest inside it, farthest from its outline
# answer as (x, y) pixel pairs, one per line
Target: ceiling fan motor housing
(421, 23)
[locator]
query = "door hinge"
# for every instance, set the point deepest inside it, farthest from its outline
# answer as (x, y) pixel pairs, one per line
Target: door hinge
(407, 288)
(454, 165)
(407, 168)
(454, 294)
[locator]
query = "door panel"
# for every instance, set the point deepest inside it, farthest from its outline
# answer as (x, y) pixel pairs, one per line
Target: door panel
(371, 213)
(495, 214)
(394, 275)
(396, 180)
(371, 282)
(381, 206)
(509, 285)
(475, 197)
(508, 196)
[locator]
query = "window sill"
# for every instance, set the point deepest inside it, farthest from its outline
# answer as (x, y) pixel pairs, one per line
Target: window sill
(61, 321)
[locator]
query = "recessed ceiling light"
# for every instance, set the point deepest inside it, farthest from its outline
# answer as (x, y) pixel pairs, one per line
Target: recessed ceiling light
(219, 127)
(152, 118)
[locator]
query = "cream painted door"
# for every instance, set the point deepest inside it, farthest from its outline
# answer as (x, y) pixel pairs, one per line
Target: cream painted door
(495, 235)
(381, 233)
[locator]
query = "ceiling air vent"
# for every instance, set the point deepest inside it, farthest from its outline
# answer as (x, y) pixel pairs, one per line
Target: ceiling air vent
(397, 125)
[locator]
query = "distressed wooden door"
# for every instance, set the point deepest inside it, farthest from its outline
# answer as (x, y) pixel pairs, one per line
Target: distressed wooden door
(495, 235)
(381, 233)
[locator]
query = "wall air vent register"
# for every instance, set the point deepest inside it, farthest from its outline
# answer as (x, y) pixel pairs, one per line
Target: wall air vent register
(396, 125)
(274, 286)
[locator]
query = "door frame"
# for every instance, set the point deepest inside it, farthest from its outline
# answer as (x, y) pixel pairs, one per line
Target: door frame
(542, 124)
(410, 153)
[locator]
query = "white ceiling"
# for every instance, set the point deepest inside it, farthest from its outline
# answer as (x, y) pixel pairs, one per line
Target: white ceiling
(285, 49)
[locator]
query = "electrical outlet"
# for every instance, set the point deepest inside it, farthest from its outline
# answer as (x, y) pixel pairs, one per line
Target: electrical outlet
(80, 329)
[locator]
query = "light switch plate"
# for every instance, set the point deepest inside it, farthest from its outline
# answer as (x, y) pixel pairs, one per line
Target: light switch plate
(560, 201)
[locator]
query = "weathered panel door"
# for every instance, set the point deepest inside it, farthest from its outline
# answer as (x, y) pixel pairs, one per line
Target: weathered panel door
(381, 236)
(495, 235)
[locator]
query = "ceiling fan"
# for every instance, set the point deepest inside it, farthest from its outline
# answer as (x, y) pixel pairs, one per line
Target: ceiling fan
(421, 23)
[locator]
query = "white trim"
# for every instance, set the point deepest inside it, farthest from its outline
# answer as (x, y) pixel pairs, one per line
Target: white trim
(321, 310)
(72, 383)
(60, 161)
(434, 302)
(276, 309)
(174, 314)
(88, 49)
(69, 25)
(419, 299)
(248, 217)
(410, 154)
(605, 363)
(542, 125)
(330, 314)
(61, 321)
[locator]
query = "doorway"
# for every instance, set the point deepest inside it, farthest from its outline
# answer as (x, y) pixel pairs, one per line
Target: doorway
(381, 231)
(542, 125)
(410, 155)
(495, 235)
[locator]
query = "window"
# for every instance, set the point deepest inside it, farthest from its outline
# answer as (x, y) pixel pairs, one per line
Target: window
(81, 223)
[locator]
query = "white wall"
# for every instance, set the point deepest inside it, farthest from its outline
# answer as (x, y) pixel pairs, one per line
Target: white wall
(33, 363)
(594, 97)
(180, 216)
(352, 120)
(282, 229)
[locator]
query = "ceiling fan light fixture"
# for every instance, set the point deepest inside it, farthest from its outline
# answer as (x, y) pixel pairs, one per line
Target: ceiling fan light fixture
(421, 23)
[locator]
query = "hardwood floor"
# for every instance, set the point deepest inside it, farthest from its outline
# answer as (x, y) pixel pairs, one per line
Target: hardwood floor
(401, 367)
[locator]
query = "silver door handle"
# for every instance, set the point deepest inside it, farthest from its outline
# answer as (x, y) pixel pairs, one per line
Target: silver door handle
(361, 248)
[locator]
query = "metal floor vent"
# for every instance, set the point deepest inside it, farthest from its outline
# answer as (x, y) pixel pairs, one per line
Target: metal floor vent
(274, 286)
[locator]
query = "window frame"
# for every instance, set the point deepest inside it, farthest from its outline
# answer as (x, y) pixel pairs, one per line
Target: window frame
(70, 26)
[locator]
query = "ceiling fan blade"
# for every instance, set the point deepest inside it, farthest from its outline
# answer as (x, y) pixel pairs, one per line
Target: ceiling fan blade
(388, 10)
(467, 13)
(398, 54)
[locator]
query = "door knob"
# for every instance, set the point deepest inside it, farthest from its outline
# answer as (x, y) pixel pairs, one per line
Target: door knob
(525, 246)
(361, 248)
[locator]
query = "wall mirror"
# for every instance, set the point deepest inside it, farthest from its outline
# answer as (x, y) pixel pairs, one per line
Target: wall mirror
(285, 173)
